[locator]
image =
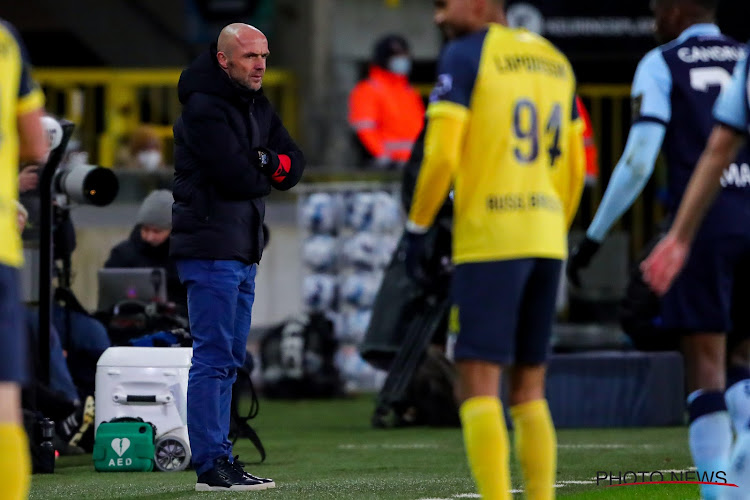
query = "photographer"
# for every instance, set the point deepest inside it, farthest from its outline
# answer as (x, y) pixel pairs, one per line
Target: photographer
(148, 244)
(81, 337)
(29, 196)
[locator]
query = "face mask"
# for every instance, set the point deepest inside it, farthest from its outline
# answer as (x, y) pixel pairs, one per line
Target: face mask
(401, 65)
(149, 159)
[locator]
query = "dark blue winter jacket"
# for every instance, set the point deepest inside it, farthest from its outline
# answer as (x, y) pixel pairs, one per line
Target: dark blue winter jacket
(218, 190)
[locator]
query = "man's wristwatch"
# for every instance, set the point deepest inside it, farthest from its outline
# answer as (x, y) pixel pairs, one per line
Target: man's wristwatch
(263, 159)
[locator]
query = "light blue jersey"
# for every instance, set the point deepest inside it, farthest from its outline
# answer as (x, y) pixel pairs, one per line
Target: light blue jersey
(673, 94)
(731, 108)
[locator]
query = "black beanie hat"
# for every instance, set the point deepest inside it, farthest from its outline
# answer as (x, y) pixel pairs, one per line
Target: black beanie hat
(387, 47)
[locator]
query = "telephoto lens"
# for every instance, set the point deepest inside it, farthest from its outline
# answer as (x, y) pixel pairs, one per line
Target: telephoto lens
(87, 184)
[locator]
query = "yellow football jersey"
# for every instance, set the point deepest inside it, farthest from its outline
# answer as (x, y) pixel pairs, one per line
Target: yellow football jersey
(18, 95)
(504, 130)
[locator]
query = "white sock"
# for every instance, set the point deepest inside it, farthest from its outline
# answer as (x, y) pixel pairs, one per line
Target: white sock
(738, 403)
(739, 469)
(710, 438)
(737, 398)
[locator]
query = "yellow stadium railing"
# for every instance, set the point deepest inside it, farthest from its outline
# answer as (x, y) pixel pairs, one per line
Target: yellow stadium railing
(609, 106)
(107, 104)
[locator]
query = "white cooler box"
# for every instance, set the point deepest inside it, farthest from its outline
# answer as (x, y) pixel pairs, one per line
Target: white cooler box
(150, 383)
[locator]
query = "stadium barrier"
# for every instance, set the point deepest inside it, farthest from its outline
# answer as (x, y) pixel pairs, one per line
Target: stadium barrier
(107, 104)
(606, 388)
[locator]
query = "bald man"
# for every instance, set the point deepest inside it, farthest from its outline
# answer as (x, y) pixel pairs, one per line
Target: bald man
(231, 150)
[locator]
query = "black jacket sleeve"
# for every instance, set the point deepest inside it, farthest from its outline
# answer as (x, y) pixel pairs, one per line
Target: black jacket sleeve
(212, 139)
(281, 143)
(120, 256)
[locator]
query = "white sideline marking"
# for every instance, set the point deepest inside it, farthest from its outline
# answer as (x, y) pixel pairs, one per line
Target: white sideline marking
(385, 446)
(463, 495)
(603, 446)
(560, 484)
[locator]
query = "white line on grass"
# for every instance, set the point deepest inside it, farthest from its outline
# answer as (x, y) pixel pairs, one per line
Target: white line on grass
(463, 495)
(603, 446)
(559, 484)
(386, 446)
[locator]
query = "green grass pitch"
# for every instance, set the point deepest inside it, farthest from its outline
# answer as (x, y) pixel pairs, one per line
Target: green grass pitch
(327, 450)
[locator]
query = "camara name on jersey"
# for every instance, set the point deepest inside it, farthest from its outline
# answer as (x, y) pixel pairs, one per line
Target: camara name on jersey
(707, 54)
(736, 175)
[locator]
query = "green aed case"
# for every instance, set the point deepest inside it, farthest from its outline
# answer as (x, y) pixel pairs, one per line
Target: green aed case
(124, 447)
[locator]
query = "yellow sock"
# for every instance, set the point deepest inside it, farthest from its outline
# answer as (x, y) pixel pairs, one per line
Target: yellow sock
(486, 441)
(15, 473)
(536, 447)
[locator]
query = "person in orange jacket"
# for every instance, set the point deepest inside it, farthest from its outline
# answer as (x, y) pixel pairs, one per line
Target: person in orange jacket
(386, 112)
(592, 155)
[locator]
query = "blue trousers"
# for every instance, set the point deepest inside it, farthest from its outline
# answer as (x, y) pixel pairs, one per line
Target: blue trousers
(220, 302)
(13, 345)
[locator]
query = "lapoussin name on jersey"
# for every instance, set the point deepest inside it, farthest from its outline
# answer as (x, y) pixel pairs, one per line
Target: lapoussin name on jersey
(531, 63)
(708, 54)
(523, 201)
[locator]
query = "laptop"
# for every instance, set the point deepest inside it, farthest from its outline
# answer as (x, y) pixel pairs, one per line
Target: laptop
(143, 284)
